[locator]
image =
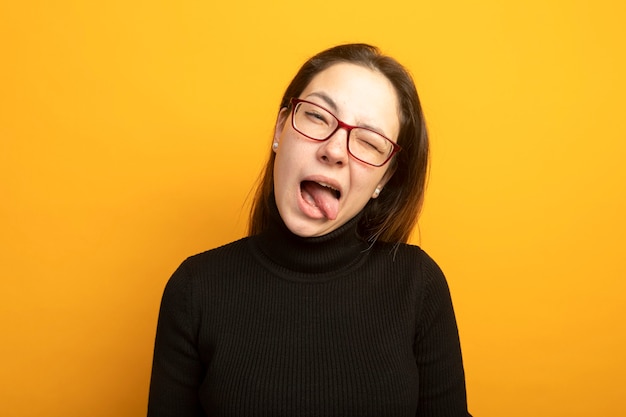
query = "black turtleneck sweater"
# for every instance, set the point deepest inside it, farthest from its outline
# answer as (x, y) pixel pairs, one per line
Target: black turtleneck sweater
(277, 325)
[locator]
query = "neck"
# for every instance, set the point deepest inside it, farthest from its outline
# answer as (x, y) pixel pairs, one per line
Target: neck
(333, 252)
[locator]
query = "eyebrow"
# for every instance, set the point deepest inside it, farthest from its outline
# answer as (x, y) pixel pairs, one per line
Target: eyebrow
(331, 103)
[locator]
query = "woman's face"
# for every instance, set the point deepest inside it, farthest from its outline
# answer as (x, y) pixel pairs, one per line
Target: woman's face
(318, 185)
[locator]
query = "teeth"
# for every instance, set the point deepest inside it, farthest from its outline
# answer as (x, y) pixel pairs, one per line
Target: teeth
(328, 186)
(336, 191)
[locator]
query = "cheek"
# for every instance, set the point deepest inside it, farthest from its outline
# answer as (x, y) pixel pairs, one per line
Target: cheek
(280, 171)
(294, 151)
(288, 144)
(365, 179)
(285, 163)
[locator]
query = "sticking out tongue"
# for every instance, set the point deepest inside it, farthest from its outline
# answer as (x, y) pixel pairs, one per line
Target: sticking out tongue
(324, 198)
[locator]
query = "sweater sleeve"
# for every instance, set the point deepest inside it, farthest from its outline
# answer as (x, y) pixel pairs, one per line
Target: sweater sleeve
(438, 351)
(176, 369)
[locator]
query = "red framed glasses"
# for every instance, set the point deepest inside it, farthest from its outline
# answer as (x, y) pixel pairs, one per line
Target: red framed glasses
(364, 144)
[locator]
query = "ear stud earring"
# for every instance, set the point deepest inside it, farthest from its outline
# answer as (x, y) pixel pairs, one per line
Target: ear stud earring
(376, 192)
(275, 145)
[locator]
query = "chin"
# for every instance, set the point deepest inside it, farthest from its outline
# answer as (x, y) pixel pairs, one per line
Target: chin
(306, 229)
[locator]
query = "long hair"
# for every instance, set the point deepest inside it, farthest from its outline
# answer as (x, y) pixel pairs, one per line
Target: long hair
(392, 216)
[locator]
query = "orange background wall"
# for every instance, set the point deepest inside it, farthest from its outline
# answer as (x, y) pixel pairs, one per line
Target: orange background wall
(125, 147)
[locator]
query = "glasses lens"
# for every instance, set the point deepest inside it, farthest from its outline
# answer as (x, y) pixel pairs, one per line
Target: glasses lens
(369, 146)
(313, 121)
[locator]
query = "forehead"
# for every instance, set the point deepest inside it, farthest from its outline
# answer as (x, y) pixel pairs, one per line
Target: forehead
(358, 95)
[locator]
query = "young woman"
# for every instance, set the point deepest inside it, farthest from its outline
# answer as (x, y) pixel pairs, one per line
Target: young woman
(324, 309)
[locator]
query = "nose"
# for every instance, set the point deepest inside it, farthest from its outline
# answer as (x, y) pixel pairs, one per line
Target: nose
(334, 150)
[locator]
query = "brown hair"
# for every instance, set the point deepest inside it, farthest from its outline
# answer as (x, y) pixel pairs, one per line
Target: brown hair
(392, 216)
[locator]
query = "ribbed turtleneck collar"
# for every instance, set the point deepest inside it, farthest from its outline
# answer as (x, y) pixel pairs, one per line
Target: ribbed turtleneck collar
(330, 254)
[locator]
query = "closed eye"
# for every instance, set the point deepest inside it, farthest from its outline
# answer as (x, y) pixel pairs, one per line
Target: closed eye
(315, 116)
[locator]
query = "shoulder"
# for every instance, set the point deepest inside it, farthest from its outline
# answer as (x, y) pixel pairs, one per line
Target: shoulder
(201, 274)
(410, 255)
(417, 263)
(211, 259)
(197, 268)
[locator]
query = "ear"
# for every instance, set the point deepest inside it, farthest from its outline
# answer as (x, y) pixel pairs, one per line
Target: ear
(280, 123)
(388, 174)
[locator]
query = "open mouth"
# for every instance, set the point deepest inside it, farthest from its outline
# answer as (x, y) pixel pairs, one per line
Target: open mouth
(322, 196)
(323, 188)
